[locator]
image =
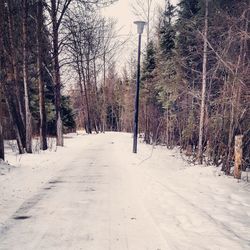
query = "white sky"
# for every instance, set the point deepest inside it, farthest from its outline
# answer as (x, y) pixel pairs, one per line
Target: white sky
(122, 11)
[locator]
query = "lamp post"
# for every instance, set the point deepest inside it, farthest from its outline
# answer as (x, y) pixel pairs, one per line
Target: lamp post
(140, 27)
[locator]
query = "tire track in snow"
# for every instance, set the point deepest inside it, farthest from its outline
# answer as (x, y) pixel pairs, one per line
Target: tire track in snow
(220, 224)
(23, 211)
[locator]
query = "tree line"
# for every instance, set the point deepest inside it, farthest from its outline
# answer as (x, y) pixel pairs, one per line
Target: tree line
(34, 37)
(195, 83)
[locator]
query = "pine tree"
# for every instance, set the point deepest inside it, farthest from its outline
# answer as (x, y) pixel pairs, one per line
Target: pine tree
(166, 69)
(167, 31)
(149, 62)
(188, 68)
(149, 94)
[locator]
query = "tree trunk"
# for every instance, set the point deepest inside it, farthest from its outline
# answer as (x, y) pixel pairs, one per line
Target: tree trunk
(8, 82)
(13, 114)
(1, 81)
(96, 103)
(42, 111)
(81, 91)
(88, 91)
(238, 156)
(87, 106)
(203, 93)
(88, 125)
(1, 125)
(56, 74)
(167, 129)
(13, 53)
(104, 108)
(28, 125)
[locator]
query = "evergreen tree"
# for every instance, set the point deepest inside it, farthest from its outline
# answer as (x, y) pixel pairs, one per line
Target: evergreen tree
(150, 107)
(67, 114)
(166, 68)
(149, 63)
(167, 31)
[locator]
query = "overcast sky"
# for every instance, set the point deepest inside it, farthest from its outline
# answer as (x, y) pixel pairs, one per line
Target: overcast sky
(122, 11)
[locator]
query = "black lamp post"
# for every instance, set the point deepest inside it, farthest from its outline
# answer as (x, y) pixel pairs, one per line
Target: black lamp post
(140, 27)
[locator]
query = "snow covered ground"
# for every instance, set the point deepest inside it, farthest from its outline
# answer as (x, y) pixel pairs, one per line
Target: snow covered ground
(94, 194)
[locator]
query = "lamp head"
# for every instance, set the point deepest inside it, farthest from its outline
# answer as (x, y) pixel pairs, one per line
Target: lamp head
(140, 26)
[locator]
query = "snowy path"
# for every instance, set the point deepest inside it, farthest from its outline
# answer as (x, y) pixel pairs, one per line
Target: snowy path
(94, 194)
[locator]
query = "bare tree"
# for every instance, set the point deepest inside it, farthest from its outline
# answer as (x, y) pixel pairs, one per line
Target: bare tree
(236, 114)
(110, 47)
(91, 41)
(79, 50)
(57, 14)
(144, 10)
(57, 10)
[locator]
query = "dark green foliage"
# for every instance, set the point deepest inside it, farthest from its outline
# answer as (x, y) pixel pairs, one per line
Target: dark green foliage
(167, 32)
(172, 77)
(151, 108)
(149, 62)
(16, 10)
(67, 114)
(188, 9)
(188, 43)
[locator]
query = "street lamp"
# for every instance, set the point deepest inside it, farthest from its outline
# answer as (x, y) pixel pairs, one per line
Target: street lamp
(140, 27)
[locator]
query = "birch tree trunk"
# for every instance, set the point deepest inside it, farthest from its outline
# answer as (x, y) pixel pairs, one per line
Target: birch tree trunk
(28, 125)
(203, 92)
(42, 111)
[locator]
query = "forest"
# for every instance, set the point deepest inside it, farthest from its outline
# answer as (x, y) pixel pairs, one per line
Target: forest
(58, 74)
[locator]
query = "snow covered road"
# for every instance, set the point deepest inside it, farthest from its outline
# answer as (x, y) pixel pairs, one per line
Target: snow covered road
(94, 194)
